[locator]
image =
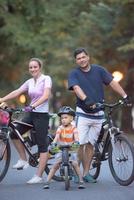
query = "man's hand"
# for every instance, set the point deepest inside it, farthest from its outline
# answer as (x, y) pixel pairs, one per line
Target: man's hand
(89, 104)
(127, 101)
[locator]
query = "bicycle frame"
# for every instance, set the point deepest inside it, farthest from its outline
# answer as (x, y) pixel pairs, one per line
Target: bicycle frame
(20, 137)
(66, 168)
(117, 148)
(5, 145)
(65, 158)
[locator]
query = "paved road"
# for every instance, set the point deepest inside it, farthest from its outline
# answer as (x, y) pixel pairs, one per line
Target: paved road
(14, 187)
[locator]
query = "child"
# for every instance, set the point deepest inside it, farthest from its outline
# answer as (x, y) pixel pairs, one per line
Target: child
(66, 134)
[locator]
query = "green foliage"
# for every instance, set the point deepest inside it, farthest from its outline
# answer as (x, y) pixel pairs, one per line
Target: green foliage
(52, 29)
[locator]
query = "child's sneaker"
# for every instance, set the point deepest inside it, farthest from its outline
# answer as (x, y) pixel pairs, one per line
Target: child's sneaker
(88, 178)
(75, 179)
(81, 185)
(46, 185)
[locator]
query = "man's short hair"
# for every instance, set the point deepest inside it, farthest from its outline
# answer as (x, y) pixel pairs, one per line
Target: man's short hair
(80, 50)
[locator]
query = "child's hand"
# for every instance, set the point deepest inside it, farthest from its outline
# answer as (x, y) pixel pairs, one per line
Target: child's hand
(53, 145)
(53, 148)
(75, 145)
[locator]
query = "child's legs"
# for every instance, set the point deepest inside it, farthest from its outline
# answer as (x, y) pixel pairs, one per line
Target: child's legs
(53, 170)
(77, 170)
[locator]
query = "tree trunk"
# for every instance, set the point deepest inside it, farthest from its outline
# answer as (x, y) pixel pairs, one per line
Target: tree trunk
(127, 119)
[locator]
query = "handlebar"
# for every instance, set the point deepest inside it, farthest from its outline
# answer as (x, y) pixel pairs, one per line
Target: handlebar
(109, 105)
(12, 110)
(20, 110)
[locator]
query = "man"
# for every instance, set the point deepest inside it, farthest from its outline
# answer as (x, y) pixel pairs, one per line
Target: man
(87, 81)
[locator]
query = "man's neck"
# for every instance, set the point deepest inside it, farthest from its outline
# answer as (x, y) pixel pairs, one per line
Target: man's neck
(86, 69)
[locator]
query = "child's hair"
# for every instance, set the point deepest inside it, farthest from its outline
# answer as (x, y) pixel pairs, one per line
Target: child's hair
(66, 110)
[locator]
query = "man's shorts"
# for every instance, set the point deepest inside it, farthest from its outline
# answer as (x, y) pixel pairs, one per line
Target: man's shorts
(88, 129)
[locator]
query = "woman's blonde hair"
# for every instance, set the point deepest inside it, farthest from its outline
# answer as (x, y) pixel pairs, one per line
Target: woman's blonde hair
(38, 61)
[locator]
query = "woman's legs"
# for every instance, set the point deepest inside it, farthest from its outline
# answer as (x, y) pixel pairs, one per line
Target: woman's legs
(42, 163)
(20, 149)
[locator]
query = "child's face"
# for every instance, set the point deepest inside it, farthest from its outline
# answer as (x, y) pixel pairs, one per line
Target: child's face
(66, 119)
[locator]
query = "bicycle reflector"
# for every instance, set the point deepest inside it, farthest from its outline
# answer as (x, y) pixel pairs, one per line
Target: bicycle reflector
(4, 118)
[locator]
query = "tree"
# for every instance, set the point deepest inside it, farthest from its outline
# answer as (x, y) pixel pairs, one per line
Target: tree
(52, 29)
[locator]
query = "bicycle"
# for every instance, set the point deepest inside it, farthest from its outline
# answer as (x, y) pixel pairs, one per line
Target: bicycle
(28, 142)
(113, 145)
(66, 169)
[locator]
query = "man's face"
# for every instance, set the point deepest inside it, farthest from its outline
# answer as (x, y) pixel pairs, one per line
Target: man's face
(82, 60)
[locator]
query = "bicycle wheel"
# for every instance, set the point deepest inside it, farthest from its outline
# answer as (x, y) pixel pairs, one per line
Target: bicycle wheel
(95, 167)
(121, 160)
(66, 178)
(5, 155)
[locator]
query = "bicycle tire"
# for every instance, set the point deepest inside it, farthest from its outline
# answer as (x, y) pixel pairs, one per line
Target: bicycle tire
(5, 156)
(121, 160)
(95, 167)
(66, 178)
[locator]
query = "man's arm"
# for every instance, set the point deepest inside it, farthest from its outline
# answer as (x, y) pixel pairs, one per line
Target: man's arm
(88, 103)
(117, 88)
(79, 92)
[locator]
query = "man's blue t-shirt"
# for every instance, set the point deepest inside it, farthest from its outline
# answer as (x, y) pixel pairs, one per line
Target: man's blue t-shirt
(90, 82)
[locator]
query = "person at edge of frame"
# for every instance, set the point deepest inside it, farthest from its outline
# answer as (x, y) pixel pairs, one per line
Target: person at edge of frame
(39, 89)
(87, 81)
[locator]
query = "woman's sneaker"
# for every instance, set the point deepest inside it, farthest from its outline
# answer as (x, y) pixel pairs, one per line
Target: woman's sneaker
(88, 178)
(35, 179)
(21, 164)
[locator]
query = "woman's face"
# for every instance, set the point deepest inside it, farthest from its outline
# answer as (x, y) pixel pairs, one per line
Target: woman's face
(34, 69)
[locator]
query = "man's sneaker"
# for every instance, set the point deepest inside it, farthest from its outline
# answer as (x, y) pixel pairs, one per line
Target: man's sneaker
(81, 185)
(35, 179)
(75, 179)
(88, 178)
(21, 164)
(46, 185)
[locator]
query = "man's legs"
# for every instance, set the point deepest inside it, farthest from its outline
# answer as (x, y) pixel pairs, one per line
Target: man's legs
(78, 172)
(88, 132)
(87, 158)
(85, 154)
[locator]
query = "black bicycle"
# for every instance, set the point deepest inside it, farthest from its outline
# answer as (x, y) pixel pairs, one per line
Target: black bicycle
(113, 145)
(66, 168)
(28, 142)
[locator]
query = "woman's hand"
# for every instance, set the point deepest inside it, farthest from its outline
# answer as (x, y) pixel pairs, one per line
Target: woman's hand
(0, 100)
(3, 105)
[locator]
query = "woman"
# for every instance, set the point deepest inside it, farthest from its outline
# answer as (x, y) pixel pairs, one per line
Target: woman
(39, 90)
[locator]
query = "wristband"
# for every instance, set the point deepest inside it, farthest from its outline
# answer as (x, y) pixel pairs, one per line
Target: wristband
(125, 96)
